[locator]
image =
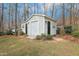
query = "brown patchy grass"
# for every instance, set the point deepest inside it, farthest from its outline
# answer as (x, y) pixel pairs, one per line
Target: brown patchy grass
(20, 46)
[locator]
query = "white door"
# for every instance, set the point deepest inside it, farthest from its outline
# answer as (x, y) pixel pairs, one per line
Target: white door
(33, 28)
(53, 29)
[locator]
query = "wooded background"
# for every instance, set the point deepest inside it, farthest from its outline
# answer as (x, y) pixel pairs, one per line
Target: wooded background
(12, 16)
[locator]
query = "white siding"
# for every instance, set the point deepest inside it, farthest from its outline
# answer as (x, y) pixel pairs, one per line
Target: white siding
(33, 26)
(52, 25)
(46, 20)
(41, 25)
(23, 27)
(53, 28)
(37, 25)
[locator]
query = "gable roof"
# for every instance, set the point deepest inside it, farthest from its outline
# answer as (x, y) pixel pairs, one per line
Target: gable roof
(39, 15)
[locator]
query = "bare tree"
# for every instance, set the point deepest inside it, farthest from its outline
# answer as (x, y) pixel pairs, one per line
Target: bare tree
(9, 17)
(71, 15)
(44, 8)
(37, 8)
(76, 16)
(16, 28)
(19, 21)
(12, 10)
(34, 8)
(53, 10)
(2, 11)
(0, 16)
(63, 19)
(63, 14)
(26, 11)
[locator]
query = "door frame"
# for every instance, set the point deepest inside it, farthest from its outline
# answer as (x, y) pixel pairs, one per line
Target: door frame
(48, 27)
(26, 28)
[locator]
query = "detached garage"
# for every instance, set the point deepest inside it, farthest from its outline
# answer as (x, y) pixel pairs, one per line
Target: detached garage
(39, 24)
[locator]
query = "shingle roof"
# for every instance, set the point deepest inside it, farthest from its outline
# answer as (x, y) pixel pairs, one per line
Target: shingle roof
(39, 15)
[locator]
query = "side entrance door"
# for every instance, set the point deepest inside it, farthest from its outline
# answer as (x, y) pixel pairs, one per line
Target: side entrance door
(26, 28)
(48, 28)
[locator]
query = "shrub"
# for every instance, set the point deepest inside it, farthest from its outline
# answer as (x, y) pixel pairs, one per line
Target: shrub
(38, 37)
(58, 31)
(49, 37)
(9, 32)
(68, 29)
(2, 33)
(44, 37)
(22, 33)
(75, 34)
(62, 32)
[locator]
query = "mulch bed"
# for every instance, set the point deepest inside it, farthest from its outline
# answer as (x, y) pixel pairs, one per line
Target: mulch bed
(71, 38)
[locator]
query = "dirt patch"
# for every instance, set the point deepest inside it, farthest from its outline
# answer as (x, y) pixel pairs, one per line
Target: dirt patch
(58, 39)
(13, 36)
(71, 38)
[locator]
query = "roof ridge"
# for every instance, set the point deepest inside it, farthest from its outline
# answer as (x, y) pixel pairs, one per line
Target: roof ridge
(40, 15)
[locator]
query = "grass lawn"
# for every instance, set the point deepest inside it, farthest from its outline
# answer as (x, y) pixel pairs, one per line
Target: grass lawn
(21, 47)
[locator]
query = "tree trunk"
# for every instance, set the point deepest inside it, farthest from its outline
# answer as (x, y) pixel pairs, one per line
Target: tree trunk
(0, 16)
(53, 10)
(63, 19)
(16, 29)
(9, 17)
(71, 15)
(63, 15)
(2, 25)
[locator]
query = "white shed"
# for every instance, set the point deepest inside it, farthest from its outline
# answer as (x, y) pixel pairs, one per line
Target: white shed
(39, 24)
